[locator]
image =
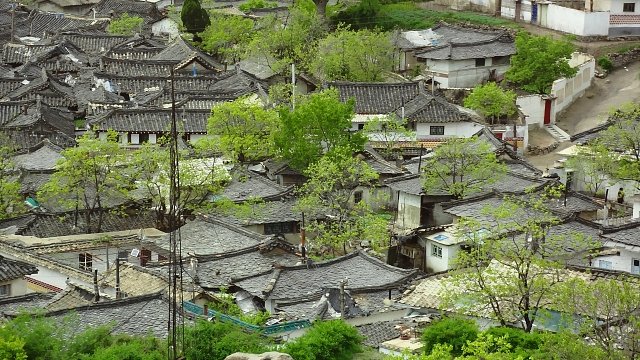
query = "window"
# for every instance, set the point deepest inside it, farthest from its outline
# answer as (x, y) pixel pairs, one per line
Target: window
(436, 130)
(357, 197)
(604, 264)
(85, 261)
(500, 60)
(143, 138)
(629, 7)
(635, 266)
(480, 62)
(436, 250)
(280, 228)
(360, 126)
(5, 290)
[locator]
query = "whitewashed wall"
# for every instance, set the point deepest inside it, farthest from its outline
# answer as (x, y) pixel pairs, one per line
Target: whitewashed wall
(573, 21)
(436, 264)
(459, 129)
(622, 262)
(408, 211)
(568, 90)
(462, 73)
(165, 27)
(532, 106)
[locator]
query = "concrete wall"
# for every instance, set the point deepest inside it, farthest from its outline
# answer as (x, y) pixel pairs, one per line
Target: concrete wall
(460, 129)
(408, 211)
(436, 264)
(622, 262)
(573, 21)
(598, 5)
(568, 90)
(508, 10)
(165, 27)
(462, 73)
(532, 106)
(18, 287)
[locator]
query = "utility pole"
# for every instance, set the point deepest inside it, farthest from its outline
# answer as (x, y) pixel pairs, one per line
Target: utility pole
(13, 17)
(342, 297)
(293, 86)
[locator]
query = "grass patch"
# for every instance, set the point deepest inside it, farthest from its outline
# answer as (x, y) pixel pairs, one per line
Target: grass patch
(409, 16)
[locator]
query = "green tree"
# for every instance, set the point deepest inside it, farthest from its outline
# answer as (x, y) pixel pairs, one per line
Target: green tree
(227, 36)
(319, 123)
(133, 348)
(194, 18)
(88, 177)
(364, 55)
(125, 25)
(539, 61)
(515, 262)
(42, 338)
(593, 166)
(12, 348)
(462, 166)
(244, 129)
(216, 340)
(609, 312)
(278, 43)
(621, 141)
(568, 346)
(257, 4)
(329, 192)
(198, 178)
(10, 200)
(385, 133)
(361, 15)
(326, 340)
(455, 332)
(492, 101)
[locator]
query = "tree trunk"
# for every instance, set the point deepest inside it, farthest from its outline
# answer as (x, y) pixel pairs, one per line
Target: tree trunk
(321, 7)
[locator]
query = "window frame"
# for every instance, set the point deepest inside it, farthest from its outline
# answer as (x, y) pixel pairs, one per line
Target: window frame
(632, 5)
(480, 62)
(436, 250)
(439, 130)
(5, 290)
(357, 196)
(287, 227)
(608, 264)
(85, 261)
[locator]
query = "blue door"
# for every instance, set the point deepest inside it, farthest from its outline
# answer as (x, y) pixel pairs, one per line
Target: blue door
(534, 12)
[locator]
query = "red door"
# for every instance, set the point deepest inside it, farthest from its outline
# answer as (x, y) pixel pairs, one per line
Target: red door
(547, 111)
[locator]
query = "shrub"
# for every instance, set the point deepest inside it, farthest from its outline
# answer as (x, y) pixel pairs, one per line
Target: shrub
(605, 63)
(215, 341)
(451, 331)
(522, 343)
(257, 4)
(326, 340)
(43, 338)
(129, 348)
(90, 340)
(125, 25)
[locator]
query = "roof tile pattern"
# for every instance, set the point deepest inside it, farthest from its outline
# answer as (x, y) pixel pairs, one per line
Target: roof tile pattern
(377, 98)
(14, 269)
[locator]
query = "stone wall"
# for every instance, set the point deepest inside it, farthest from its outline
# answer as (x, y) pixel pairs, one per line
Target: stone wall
(537, 150)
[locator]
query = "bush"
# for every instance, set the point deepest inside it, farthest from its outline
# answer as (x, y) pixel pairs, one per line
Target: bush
(605, 63)
(257, 4)
(125, 25)
(43, 338)
(451, 331)
(522, 343)
(130, 348)
(326, 340)
(215, 341)
(90, 340)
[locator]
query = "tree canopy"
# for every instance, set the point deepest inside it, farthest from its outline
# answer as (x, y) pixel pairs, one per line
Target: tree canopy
(345, 54)
(319, 123)
(492, 101)
(125, 25)
(194, 18)
(227, 36)
(461, 166)
(10, 200)
(385, 132)
(538, 62)
(88, 177)
(244, 129)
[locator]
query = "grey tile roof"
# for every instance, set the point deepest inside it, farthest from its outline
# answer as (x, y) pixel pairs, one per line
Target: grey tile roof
(376, 333)
(142, 315)
(181, 52)
(225, 268)
(31, 183)
(150, 120)
(14, 269)
(43, 114)
(29, 302)
(134, 53)
(275, 211)
(131, 67)
(93, 43)
(480, 209)
(572, 228)
(246, 184)
(362, 270)
(42, 23)
(379, 164)
(425, 108)
(515, 183)
(456, 42)
(8, 85)
(377, 98)
(72, 296)
(410, 184)
(19, 54)
(212, 84)
(629, 234)
(575, 203)
(206, 235)
(51, 90)
(42, 157)
(62, 224)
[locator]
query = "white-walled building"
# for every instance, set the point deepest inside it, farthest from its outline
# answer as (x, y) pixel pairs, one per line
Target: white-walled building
(456, 57)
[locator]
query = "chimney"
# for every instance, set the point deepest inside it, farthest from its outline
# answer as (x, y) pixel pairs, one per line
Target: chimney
(303, 249)
(635, 200)
(25, 107)
(118, 294)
